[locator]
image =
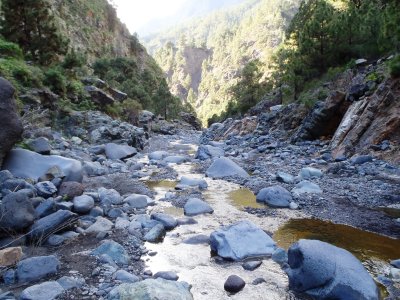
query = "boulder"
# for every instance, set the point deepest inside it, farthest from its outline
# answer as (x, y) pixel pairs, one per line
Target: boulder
(36, 268)
(234, 284)
(240, 241)
(306, 186)
(207, 151)
(137, 201)
(156, 234)
(27, 164)
(168, 221)
(158, 155)
(324, 271)
(152, 289)
(224, 167)
(175, 159)
(194, 207)
(108, 197)
(45, 189)
(17, 212)
(10, 256)
(48, 290)
(46, 208)
(115, 151)
(192, 182)
(284, 177)
(10, 123)
(69, 190)
(191, 119)
(99, 96)
(308, 173)
(125, 276)
(40, 145)
(51, 224)
(83, 204)
(101, 225)
(114, 250)
(275, 196)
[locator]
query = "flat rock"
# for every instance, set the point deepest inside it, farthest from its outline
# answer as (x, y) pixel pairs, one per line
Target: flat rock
(275, 196)
(193, 182)
(284, 177)
(207, 151)
(251, 265)
(101, 225)
(152, 289)
(27, 164)
(137, 201)
(115, 151)
(224, 167)
(167, 275)
(175, 159)
(36, 268)
(48, 290)
(308, 173)
(241, 240)
(69, 282)
(108, 197)
(324, 271)
(10, 256)
(194, 207)
(125, 276)
(40, 145)
(157, 155)
(198, 240)
(306, 186)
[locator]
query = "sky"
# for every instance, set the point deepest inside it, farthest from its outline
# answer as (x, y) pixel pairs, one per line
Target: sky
(137, 13)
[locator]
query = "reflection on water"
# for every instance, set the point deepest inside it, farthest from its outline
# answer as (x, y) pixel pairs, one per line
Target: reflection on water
(363, 244)
(244, 197)
(163, 184)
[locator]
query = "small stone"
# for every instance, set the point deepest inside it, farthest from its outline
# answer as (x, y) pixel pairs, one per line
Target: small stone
(70, 190)
(125, 276)
(83, 204)
(46, 189)
(194, 207)
(45, 291)
(167, 275)
(9, 277)
(395, 274)
(293, 205)
(395, 263)
(36, 268)
(69, 283)
(258, 281)
(234, 284)
(251, 265)
(156, 234)
(101, 225)
(168, 221)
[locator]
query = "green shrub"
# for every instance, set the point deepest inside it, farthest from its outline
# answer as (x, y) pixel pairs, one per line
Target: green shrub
(20, 74)
(394, 67)
(10, 50)
(74, 60)
(56, 81)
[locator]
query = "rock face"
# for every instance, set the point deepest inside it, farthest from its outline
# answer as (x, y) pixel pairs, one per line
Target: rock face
(224, 167)
(241, 240)
(369, 121)
(10, 123)
(191, 119)
(17, 211)
(152, 289)
(324, 271)
(323, 119)
(27, 164)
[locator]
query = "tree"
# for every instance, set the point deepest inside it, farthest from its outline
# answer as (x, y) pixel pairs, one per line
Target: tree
(30, 24)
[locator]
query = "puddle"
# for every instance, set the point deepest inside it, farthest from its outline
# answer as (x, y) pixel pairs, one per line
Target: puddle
(244, 198)
(161, 185)
(390, 211)
(363, 244)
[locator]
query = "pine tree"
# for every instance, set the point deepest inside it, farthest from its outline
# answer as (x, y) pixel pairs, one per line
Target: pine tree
(30, 24)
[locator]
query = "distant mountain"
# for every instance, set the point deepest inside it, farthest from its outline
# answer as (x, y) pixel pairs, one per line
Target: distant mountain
(189, 9)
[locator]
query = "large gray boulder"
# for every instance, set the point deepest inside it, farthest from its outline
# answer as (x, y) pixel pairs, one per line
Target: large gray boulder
(17, 212)
(240, 241)
(36, 268)
(224, 167)
(152, 289)
(195, 206)
(10, 123)
(207, 151)
(51, 224)
(48, 290)
(324, 271)
(275, 196)
(27, 164)
(115, 151)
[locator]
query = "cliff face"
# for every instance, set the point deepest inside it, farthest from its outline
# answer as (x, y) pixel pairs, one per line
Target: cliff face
(94, 28)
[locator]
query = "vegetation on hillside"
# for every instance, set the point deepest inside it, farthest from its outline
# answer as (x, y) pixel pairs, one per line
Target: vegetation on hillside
(39, 49)
(293, 43)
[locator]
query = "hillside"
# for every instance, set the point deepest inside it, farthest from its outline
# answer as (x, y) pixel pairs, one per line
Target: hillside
(229, 39)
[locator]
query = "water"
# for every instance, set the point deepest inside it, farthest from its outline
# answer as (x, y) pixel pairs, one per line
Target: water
(363, 244)
(244, 198)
